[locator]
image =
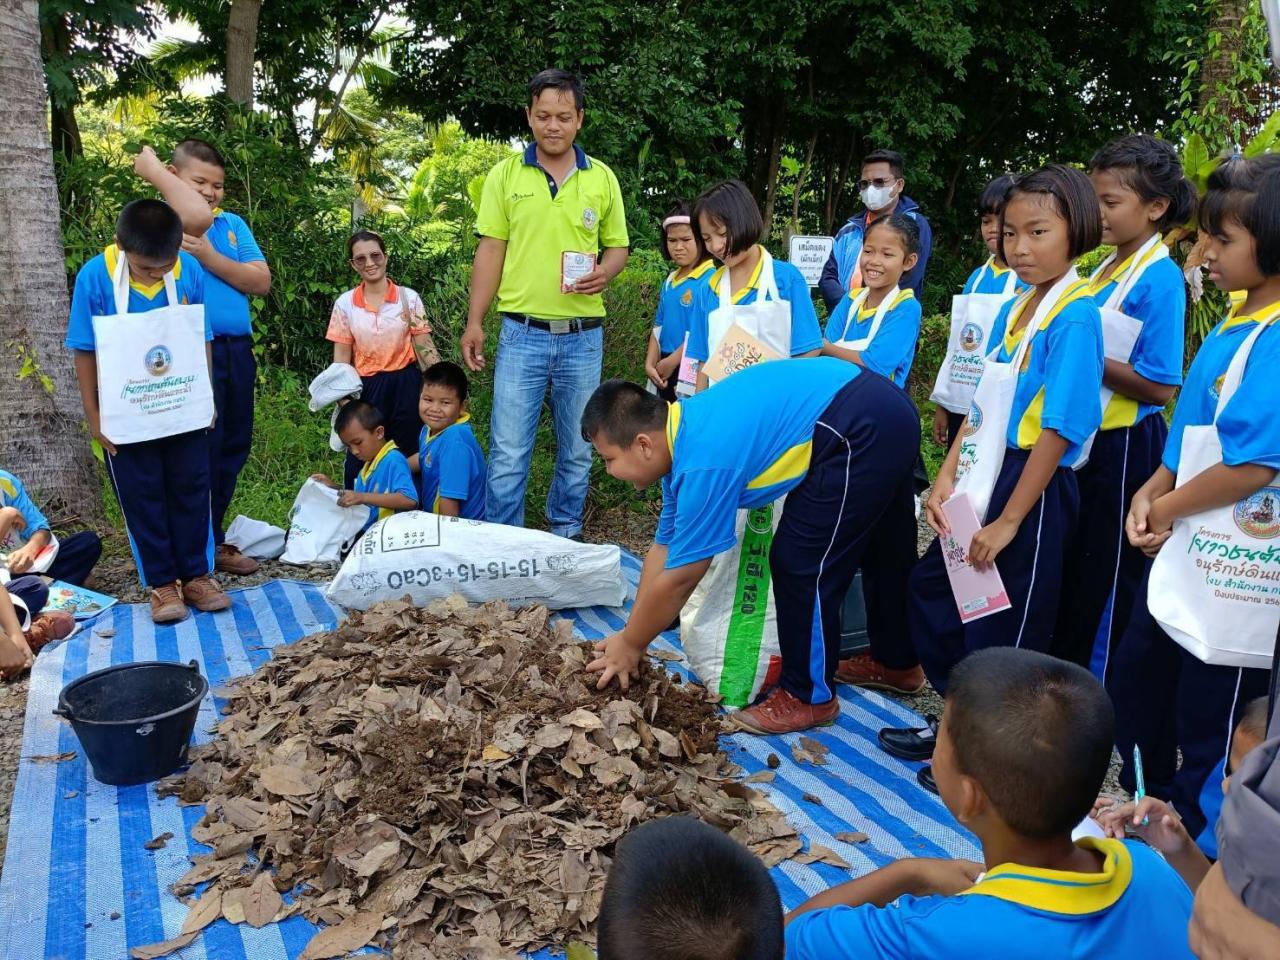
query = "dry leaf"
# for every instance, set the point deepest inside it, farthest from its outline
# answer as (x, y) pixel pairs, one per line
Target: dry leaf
(262, 902)
(54, 758)
(154, 950)
(761, 776)
(203, 912)
(851, 836)
(289, 781)
(233, 904)
(338, 941)
(817, 853)
(494, 754)
(157, 843)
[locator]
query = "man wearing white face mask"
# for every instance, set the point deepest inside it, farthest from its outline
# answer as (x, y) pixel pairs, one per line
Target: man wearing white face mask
(880, 188)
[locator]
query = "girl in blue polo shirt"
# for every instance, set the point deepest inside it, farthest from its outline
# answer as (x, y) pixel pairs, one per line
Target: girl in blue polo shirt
(1168, 702)
(682, 245)
(768, 298)
(1143, 299)
(1052, 338)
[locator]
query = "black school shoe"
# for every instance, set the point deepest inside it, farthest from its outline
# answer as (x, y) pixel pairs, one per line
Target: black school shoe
(925, 778)
(910, 743)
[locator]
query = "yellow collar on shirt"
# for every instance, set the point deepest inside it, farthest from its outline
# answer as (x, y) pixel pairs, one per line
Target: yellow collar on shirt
(432, 437)
(367, 470)
(903, 295)
(673, 426)
(995, 268)
(1073, 293)
(698, 271)
(751, 284)
(1122, 270)
(1235, 318)
(112, 256)
(1062, 891)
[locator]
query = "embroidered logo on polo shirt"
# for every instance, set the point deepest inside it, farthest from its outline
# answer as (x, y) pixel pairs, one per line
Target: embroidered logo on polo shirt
(231, 238)
(158, 360)
(1258, 515)
(589, 218)
(686, 298)
(517, 196)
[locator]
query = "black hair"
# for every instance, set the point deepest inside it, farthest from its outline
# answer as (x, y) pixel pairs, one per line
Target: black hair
(731, 204)
(621, 410)
(1035, 732)
(360, 236)
(683, 209)
(892, 157)
(150, 229)
(202, 150)
(1247, 191)
(446, 374)
(358, 411)
(1253, 719)
(679, 889)
(1151, 168)
(555, 79)
(1075, 199)
(901, 224)
(993, 196)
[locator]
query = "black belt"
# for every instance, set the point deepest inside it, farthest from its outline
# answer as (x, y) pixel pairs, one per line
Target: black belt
(573, 325)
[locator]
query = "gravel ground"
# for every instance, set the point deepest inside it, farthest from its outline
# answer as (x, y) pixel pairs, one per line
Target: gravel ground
(115, 576)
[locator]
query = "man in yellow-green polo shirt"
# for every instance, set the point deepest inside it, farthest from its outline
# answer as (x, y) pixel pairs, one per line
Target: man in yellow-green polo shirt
(553, 233)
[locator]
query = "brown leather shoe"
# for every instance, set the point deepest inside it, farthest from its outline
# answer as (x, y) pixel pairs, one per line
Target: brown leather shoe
(229, 559)
(863, 670)
(205, 595)
(167, 605)
(780, 712)
(49, 626)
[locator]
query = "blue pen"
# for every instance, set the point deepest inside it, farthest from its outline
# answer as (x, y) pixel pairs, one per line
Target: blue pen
(1141, 782)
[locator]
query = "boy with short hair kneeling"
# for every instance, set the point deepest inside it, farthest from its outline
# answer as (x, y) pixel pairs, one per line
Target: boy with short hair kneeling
(384, 484)
(1023, 748)
(449, 460)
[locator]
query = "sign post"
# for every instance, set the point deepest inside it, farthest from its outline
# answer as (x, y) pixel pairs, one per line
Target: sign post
(809, 255)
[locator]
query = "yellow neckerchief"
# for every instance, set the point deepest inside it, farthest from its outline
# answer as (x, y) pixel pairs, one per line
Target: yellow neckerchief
(1122, 271)
(694, 274)
(751, 284)
(1013, 336)
(112, 256)
(366, 472)
(433, 437)
(1236, 319)
(1063, 892)
(903, 295)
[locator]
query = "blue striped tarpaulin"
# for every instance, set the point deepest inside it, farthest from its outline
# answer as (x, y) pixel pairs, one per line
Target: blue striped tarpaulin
(78, 882)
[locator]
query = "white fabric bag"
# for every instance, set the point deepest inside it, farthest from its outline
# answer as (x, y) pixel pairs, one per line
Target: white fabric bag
(972, 316)
(729, 625)
(768, 319)
(153, 368)
(983, 444)
(319, 529)
(255, 538)
(859, 299)
(338, 381)
(427, 556)
(1215, 584)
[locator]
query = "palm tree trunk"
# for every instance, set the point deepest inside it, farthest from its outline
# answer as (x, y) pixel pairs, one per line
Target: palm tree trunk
(41, 421)
(242, 41)
(1217, 68)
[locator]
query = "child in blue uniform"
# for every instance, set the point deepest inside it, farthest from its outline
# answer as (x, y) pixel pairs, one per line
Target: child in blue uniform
(1142, 193)
(1050, 218)
(449, 459)
(384, 483)
(1167, 701)
(235, 269)
(839, 441)
(682, 245)
(162, 484)
(1023, 747)
(994, 278)
(731, 226)
(876, 327)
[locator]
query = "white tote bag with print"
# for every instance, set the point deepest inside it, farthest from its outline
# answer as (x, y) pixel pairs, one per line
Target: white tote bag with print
(858, 300)
(1215, 584)
(972, 316)
(153, 370)
(319, 529)
(768, 319)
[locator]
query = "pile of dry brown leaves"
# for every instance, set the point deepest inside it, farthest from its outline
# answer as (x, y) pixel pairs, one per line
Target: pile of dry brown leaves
(444, 783)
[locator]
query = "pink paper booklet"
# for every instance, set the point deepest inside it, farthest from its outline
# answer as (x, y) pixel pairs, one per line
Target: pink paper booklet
(978, 593)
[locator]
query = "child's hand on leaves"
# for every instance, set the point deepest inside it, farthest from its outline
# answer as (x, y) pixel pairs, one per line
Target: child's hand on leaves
(1163, 830)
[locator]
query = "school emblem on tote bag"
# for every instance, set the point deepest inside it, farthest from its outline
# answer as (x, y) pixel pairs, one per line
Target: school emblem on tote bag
(1259, 515)
(158, 360)
(975, 420)
(970, 337)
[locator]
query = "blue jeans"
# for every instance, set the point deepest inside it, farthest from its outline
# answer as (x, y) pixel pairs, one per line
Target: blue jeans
(529, 358)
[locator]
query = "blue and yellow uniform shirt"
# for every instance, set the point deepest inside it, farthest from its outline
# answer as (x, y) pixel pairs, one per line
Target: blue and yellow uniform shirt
(992, 278)
(521, 205)
(451, 464)
(1248, 428)
(892, 351)
(94, 295)
(806, 335)
(1061, 373)
(14, 494)
(1159, 299)
(743, 443)
(226, 307)
(388, 472)
(675, 306)
(1137, 906)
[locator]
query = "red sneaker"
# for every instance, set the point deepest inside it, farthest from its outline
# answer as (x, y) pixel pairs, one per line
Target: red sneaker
(863, 670)
(780, 712)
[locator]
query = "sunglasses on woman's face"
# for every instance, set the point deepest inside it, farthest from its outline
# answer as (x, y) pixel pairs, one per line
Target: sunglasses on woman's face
(371, 259)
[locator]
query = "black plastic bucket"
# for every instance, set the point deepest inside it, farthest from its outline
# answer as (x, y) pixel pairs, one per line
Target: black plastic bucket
(134, 720)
